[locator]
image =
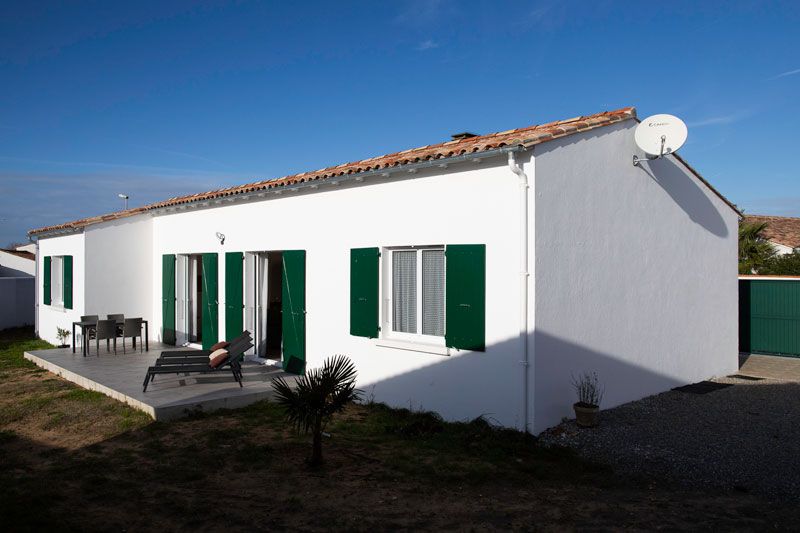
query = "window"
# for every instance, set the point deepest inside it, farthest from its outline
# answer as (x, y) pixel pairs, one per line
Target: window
(57, 281)
(411, 298)
(415, 289)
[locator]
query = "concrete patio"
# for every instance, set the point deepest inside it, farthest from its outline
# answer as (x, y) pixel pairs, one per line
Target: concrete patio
(169, 396)
(770, 366)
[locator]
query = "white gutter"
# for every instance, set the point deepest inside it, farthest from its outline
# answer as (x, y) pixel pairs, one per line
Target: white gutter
(523, 282)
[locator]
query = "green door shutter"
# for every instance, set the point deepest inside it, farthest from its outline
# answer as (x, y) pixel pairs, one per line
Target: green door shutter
(210, 300)
(364, 292)
(67, 282)
(168, 298)
(293, 283)
(465, 306)
(46, 281)
(234, 294)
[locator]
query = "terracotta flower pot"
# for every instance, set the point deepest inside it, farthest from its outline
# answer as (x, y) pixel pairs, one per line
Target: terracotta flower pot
(586, 415)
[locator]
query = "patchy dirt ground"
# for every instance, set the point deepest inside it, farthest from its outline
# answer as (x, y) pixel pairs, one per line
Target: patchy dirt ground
(100, 466)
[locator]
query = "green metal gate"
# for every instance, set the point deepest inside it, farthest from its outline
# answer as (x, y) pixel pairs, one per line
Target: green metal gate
(769, 316)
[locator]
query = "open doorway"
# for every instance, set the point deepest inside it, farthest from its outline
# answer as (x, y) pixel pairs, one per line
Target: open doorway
(189, 300)
(195, 302)
(264, 303)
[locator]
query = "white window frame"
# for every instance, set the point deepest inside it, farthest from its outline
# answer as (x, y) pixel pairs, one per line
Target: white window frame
(57, 281)
(387, 309)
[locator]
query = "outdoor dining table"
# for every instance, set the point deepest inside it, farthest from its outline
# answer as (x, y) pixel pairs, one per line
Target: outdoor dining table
(86, 324)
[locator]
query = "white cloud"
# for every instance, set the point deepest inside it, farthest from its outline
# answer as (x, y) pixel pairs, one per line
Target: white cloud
(720, 120)
(427, 45)
(784, 74)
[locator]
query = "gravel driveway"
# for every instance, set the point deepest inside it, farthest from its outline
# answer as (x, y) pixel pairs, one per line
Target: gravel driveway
(744, 437)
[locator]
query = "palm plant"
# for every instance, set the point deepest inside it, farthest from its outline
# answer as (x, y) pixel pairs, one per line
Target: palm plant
(316, 397)
(754, 249)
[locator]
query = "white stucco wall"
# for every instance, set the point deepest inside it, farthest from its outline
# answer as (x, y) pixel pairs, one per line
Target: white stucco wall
(468, 203)
(49, 316)
(119, 268)
(635, 273)
(12, 265)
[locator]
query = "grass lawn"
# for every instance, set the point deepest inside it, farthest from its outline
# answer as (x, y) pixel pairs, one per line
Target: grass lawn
(77, 460)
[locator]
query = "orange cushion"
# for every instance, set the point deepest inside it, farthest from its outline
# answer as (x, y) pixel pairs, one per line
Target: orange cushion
(217, 358)
(220, 344)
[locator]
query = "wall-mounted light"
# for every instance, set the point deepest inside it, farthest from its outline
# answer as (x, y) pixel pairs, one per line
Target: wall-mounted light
(124, 197)
(221, 237)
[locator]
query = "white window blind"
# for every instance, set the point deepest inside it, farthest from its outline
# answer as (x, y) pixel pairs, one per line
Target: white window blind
(404, 291)
(433, 292)
(56, 281)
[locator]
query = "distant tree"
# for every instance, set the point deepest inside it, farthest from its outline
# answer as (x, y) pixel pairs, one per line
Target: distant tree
(754, 249)
(13, 245)
(782, 265)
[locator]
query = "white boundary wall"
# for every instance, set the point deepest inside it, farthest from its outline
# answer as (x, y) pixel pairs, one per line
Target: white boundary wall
(16, 302)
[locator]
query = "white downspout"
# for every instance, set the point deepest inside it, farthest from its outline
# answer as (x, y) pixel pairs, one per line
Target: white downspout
(523, 282)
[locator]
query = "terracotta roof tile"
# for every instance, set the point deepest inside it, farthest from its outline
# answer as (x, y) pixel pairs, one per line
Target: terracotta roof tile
(523, 137)
(782, 230)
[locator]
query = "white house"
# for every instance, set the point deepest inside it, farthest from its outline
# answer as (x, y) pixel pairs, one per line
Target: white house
(17, 262)
(783, 233)
(471, 277)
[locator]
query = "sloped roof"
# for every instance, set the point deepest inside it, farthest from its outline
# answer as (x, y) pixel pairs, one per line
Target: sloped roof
(521, 137)
(782, 230)
(524, 137)
(20, 253)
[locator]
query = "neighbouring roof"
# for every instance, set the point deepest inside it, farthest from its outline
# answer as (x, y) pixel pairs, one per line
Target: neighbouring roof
(20, 253)
(782, 230)
(521, 137)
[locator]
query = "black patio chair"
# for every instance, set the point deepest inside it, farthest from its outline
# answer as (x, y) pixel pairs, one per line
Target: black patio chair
(119, 318)
(106, 330)
(233, 362)
(91, 329)
(132, 327)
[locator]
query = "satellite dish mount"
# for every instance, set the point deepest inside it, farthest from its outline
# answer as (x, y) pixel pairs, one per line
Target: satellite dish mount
(659, 135)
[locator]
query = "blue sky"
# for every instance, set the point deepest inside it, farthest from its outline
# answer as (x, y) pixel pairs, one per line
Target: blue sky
(158, 99)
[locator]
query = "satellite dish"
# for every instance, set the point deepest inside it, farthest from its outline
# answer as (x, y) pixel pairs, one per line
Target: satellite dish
(659, 135)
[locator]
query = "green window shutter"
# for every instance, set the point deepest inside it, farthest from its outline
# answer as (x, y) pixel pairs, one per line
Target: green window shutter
(234, 294)
(293, 319)
(46, 280)
(210, 300)
(465, 306)
(168, 298)
(364, 292)
(67, 282)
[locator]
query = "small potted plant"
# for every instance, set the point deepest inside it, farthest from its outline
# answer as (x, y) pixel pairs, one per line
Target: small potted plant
(590, 394)
(62, 335)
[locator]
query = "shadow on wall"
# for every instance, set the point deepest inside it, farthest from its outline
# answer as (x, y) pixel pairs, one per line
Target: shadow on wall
(465, 386)
(681, 187)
